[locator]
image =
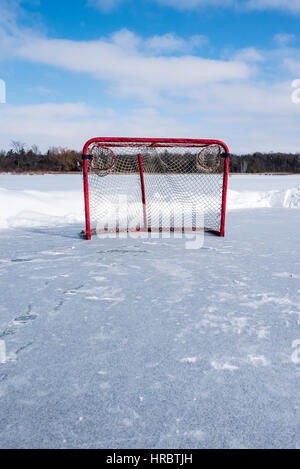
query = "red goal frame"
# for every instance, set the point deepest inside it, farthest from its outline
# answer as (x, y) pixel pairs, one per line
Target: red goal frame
(159, 142)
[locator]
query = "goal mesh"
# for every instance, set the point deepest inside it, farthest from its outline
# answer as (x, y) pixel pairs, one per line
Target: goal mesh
(155, 186)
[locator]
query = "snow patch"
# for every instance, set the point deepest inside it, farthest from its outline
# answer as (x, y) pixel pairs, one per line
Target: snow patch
(104, 385)
(285, 275)
(198, 435)
(258, 360)
(188, 360)
(223, 366)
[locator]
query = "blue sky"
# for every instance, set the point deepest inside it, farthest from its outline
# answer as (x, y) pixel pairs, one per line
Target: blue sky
(172, 68)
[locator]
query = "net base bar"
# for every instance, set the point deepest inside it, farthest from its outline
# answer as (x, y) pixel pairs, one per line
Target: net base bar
(95, 231)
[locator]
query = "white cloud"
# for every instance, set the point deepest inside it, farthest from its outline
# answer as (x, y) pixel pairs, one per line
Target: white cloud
(125, 40)
(250, 54)
(170, 42)
(106, 6)
(11, 35)
(193, 4)
(292, 6)
(283, 39)
(41, 90)
(123, 65)
(166, 43)
(257, 99)
(289, 5)
(71, 124)
(293, 66)
(9, 31)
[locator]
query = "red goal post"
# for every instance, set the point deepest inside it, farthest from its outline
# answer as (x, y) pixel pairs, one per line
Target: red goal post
(158, 177)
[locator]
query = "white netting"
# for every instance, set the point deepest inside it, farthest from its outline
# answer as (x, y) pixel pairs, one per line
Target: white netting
(183, 186)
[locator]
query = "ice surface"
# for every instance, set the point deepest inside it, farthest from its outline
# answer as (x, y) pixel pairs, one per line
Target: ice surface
(142, 343)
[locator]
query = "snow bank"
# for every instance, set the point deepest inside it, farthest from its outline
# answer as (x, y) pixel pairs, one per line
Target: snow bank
(239, 200)
(45, 206)
(21, 208)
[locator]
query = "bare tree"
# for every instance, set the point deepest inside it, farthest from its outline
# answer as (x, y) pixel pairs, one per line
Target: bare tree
(18, 147)
(35, 149)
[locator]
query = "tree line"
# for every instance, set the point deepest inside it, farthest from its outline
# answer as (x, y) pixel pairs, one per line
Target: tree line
(21, 159)
(265, 163)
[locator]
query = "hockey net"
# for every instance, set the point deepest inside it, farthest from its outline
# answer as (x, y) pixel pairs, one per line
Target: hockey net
(155, 185)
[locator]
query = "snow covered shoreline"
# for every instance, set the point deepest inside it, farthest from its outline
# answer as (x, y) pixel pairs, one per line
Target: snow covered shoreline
(52, 200)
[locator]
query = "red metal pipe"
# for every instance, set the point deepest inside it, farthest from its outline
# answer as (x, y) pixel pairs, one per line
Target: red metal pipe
(224, 196)
(86, 199)
(143, 191)
(154, 140)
